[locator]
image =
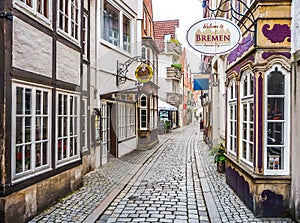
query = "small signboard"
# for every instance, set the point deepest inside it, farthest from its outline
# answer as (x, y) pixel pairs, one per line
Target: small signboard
(144, 73)
(212, 36)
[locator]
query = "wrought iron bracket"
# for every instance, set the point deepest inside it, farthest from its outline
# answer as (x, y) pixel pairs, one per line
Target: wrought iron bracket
(236, 15)
(122, 69)
(7, 15)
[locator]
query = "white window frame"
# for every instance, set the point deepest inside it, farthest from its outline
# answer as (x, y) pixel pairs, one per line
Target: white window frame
(286, 122)
(121, 120)
(247, 99)
(84, 116)
(116, 38)
(21, 4)
(85, 35)
(72, 5)
(31, 169)
(143, 109)
(75, 136)
(232, 103)
(130, 120)
(104, 129)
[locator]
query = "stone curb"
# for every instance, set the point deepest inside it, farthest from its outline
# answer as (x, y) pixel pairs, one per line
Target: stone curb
(213, 213)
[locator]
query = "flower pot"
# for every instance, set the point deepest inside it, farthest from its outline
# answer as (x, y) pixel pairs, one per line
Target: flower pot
(221, 167)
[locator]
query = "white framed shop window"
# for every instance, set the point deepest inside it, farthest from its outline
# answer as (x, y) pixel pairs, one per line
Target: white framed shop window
(246, 152)
(67, 129)
(121, 120)
(130, 120)
(84, 123)
(232, 118)
(277, 127)
(31, 131)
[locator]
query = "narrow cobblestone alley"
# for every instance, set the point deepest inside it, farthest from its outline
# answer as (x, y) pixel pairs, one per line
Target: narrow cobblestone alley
(176, 181)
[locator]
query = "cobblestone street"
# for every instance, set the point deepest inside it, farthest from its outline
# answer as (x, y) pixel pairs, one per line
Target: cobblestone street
(176, 181)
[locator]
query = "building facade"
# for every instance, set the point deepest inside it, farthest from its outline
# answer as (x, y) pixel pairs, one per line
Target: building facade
(78, 84)
(258, 100)
(169, 67)
(295, 152)
(44, 103)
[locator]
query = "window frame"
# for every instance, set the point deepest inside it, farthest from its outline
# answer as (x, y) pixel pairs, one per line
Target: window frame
(247, 99)
(143, 112)
(105, 36)
(62, 30)
(232, 103)
(285, 121)
(33, 170)
(84, 115)
(71, 118)
(34, 11)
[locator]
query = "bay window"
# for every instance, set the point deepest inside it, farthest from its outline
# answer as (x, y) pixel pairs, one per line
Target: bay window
(232, 118)
(30, 130)
(143, 112)
(247, 119)
(67, 140)
(277, 123)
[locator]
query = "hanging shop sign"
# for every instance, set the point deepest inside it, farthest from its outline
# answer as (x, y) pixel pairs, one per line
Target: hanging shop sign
(144, 73)
(213, 36)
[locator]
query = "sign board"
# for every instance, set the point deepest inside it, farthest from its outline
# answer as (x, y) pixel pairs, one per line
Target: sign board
(143, 73)
(212, 36)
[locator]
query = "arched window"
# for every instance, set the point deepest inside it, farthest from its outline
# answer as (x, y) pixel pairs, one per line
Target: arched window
(143, 112)
(277, 124)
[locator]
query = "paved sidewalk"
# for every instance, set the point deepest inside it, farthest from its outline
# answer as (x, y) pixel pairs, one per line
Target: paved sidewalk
(226, 205)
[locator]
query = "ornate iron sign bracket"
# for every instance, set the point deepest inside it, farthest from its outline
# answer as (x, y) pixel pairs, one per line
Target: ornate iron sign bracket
(122, 69)
(227, 7)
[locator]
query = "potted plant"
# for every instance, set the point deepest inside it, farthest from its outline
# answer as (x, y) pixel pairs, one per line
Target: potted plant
(219, 152)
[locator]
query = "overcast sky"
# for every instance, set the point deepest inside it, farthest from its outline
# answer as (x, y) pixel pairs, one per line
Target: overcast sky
(187, 11)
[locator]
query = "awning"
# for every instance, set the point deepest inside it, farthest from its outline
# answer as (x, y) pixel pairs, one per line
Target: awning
(165, 106)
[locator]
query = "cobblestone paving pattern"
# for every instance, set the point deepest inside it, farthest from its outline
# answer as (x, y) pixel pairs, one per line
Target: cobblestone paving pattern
(96, 185)
(168, 189)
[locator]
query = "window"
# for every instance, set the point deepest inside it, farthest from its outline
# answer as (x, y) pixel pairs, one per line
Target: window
(84, 34)
(277, 123)
(122, 120)
(30, 130)
(67, 143)
(130, 120)
(41, 8)
(143, 112)
(126, 34)
(105, 128)
(232, 118)
(116, 27)
(247, 119)
(69, 17)
(84, 124)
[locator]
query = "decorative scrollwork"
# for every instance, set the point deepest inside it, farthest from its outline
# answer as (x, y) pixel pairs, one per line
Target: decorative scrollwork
(122, 69)
(227, 7)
